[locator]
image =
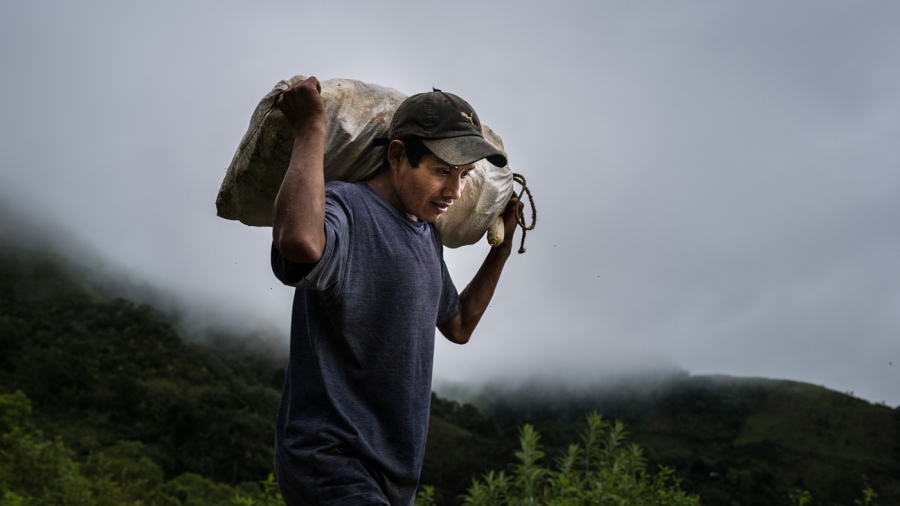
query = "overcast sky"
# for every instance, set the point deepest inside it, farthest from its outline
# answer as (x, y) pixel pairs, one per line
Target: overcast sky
(718, 183)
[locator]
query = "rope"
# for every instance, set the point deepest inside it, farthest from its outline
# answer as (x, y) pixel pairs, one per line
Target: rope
(520, 219)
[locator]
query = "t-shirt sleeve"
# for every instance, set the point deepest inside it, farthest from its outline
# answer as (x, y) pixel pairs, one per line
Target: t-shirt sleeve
(326, 274)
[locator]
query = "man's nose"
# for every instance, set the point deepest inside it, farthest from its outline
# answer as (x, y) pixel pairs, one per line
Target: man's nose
(454, 187)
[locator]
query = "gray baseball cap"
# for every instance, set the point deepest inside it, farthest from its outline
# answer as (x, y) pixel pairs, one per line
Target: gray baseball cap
(447, 125)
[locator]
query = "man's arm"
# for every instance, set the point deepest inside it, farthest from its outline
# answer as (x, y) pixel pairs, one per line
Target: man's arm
(298, 219)
(477, 295)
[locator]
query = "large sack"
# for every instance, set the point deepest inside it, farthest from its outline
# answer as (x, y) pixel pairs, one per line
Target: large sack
(357, 113)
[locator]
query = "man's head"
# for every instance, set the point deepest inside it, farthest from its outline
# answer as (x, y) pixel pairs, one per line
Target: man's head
(435, 140)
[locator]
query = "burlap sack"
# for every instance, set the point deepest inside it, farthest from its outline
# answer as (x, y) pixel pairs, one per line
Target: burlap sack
(357, 113)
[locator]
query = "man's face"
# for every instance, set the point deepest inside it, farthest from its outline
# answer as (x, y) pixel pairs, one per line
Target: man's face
(427, 191)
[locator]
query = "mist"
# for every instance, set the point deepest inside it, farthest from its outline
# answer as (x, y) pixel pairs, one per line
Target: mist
(716, 183)
(26, 230)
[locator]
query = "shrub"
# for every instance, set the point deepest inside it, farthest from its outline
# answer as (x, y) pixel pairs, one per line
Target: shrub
(604, 469)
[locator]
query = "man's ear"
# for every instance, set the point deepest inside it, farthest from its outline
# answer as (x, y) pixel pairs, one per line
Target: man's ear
(396, 153)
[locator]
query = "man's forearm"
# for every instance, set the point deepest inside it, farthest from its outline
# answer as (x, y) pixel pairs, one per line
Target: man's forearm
(478, 294)
(476, 297)
(298, 221)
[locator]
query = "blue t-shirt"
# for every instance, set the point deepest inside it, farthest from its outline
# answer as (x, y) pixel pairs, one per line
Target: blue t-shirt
(353, 417)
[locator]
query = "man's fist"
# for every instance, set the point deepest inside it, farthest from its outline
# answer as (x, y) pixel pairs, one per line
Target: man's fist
(302, 104)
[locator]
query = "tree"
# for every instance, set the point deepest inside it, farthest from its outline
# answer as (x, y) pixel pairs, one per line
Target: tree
(604, 469)
(33, 469)
(36, 470)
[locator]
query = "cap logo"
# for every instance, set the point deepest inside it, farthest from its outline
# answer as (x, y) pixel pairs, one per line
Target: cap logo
(468, 117)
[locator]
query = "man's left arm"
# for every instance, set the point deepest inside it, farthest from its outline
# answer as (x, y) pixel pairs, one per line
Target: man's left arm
(477, 295)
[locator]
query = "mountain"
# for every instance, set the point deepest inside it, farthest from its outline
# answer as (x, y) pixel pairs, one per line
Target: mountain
(749, 441)
(101, 369)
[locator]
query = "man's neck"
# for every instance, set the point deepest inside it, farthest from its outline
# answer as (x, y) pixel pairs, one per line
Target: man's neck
(383, 185)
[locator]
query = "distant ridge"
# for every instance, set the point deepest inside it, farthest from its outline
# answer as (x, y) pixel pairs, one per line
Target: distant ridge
(749, 440)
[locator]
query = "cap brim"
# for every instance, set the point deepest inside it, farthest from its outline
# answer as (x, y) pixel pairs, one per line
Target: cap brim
(465, 150)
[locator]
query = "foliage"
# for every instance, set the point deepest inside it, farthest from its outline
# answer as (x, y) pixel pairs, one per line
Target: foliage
(36, 470)
(730, 440)
(604, 469)
(425, 497)
(102, 370)
(800, 497)
(136, 412)
(266, 495)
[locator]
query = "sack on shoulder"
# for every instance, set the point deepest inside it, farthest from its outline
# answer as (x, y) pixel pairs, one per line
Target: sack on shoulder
(358, 112)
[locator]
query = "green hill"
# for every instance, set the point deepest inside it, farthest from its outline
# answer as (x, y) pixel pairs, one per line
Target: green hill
(732, 440)
(100, 370)
(103, 371)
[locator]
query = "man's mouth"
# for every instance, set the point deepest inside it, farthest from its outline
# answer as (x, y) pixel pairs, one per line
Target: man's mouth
(442, 206)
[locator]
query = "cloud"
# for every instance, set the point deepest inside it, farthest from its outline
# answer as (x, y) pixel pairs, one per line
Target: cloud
(715, 182)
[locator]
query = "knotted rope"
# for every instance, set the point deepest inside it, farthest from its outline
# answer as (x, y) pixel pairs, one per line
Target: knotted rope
(520, 219)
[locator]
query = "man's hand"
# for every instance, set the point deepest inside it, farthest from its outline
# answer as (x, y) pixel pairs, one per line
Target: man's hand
(510, 220)
(302, 104)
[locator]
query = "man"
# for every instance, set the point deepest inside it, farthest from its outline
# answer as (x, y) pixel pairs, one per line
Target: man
(371, 287)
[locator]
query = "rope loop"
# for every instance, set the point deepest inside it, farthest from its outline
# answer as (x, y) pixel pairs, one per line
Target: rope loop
(520, 219)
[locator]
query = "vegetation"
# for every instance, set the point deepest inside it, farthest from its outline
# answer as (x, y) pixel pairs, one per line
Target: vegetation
(602, 470)
(104, 401)
(36, 470)
(745, 441)
(103, 371)
(134, 411)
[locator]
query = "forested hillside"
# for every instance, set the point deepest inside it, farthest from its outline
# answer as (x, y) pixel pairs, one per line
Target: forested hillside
(159, 419)
(102, 370)
(732, 440)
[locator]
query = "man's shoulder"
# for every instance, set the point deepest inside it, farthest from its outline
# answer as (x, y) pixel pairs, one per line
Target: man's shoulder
(353, 199)
(337, 187)
(343, 189)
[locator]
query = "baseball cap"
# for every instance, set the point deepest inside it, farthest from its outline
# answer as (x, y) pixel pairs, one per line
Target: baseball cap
(447, 125)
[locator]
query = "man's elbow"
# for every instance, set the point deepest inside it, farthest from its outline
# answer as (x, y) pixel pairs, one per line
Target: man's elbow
(300, 249)
(455, 333)
(460, 338)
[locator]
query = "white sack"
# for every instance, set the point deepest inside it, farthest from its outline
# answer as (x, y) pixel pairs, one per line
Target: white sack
(357, 113)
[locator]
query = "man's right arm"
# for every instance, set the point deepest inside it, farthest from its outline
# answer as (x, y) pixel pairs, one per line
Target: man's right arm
(298, 219)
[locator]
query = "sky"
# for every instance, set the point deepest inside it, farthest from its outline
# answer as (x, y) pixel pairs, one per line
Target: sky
(717, 183)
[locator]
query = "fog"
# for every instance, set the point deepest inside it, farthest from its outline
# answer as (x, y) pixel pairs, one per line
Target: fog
(716, 183)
